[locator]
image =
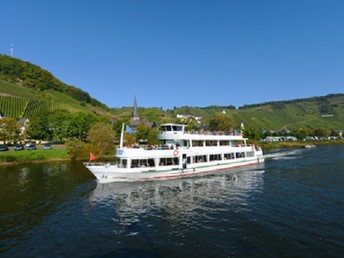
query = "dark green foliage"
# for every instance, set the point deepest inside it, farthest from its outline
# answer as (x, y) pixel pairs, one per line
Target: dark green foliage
(253, 134)
(278, 103)
(220, 122)
(60, 125)
(325, 107)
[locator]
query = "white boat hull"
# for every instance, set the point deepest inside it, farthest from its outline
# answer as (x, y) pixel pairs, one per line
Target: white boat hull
(111, 173)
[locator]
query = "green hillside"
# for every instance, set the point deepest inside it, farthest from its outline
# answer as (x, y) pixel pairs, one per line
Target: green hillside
(325, 112)
(318, 112)
(27, 89)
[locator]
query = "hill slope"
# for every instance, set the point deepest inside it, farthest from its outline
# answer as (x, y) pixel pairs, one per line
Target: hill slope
(316, 112)
(25, 89)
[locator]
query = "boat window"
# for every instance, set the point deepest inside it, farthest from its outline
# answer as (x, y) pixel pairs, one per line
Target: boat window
(177, 128)
(215, 157)
(200, 158)
(170, 142)
(229, 156)
(169, 161)
(240, 155)
(224, 143)
(151, 163)
(142, 163)
(122, 162)
(211, 143)
(165, 128)
(250, 154)
(196, 143)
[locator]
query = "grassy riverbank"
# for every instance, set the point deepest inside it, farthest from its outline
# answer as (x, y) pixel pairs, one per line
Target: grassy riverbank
(25, 156)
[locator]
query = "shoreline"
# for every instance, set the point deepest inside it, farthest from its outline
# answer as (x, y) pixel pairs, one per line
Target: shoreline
(266, 146)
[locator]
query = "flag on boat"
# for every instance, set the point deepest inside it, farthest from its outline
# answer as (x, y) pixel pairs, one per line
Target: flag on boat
(129, 129)
(92, 156)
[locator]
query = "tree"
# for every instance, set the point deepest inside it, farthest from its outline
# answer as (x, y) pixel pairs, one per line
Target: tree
(334, 133)
(300, 133)
(9, 129)
(191, 125)
(59, 124)
(129, 139)
(101, 137)
(321, 133)
(80, 125)
(144, 132)
(78, 150)
(253, 134)
(39, 127)
(221, 122)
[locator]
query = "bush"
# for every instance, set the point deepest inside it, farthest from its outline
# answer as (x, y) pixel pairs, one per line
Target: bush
(78, 150)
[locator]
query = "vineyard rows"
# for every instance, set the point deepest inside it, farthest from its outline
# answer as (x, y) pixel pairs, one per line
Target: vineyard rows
(17, 107)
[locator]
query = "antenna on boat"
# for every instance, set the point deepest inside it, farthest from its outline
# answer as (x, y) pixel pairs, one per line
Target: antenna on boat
(122, 134)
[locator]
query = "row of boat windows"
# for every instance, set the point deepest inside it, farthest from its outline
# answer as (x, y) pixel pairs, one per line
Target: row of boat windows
(200, 143)
(137, 163)
(209, 143)
(169, 128)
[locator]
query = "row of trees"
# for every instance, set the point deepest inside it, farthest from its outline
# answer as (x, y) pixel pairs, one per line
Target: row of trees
(59, 125)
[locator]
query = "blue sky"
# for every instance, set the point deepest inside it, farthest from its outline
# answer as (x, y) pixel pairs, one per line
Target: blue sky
(177, 53)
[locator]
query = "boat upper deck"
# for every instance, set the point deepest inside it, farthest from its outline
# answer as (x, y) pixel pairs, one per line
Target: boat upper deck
(177, 132)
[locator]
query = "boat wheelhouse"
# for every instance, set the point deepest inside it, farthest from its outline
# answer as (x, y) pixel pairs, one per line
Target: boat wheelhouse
(180, 154)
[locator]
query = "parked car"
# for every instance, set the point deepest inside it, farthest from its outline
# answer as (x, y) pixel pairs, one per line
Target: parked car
(3, 147)
(32, 147)
(19, 147)
(47, 146)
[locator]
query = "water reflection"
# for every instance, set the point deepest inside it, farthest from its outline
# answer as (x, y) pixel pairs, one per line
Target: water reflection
(29, 193)
(178, 198)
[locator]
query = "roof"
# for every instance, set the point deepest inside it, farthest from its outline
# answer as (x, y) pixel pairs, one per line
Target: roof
(22, 121)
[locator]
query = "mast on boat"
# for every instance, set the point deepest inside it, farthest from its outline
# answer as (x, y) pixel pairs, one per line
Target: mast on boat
(122, 134)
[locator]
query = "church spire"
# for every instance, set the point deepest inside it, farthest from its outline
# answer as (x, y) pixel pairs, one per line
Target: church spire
(135, 112)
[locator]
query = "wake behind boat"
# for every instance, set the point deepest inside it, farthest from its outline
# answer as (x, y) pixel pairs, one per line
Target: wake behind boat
(181, 154)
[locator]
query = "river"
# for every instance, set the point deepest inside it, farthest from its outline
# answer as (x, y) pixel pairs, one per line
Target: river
(293, 205)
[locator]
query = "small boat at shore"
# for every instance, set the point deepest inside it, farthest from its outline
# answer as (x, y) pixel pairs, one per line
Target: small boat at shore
(181, 154)
(308, 146)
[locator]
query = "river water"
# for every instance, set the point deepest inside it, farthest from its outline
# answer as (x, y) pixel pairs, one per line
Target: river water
(293, 205)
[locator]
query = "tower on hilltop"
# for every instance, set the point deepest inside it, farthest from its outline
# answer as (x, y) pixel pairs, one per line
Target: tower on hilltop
(135, 112)
(135, 119)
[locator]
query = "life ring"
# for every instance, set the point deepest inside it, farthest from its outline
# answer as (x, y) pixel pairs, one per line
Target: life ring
(175, 153)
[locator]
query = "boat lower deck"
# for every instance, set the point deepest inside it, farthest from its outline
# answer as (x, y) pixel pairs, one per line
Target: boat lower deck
(110, 174)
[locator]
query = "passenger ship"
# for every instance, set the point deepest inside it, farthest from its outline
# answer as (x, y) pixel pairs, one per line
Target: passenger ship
(181, 154)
